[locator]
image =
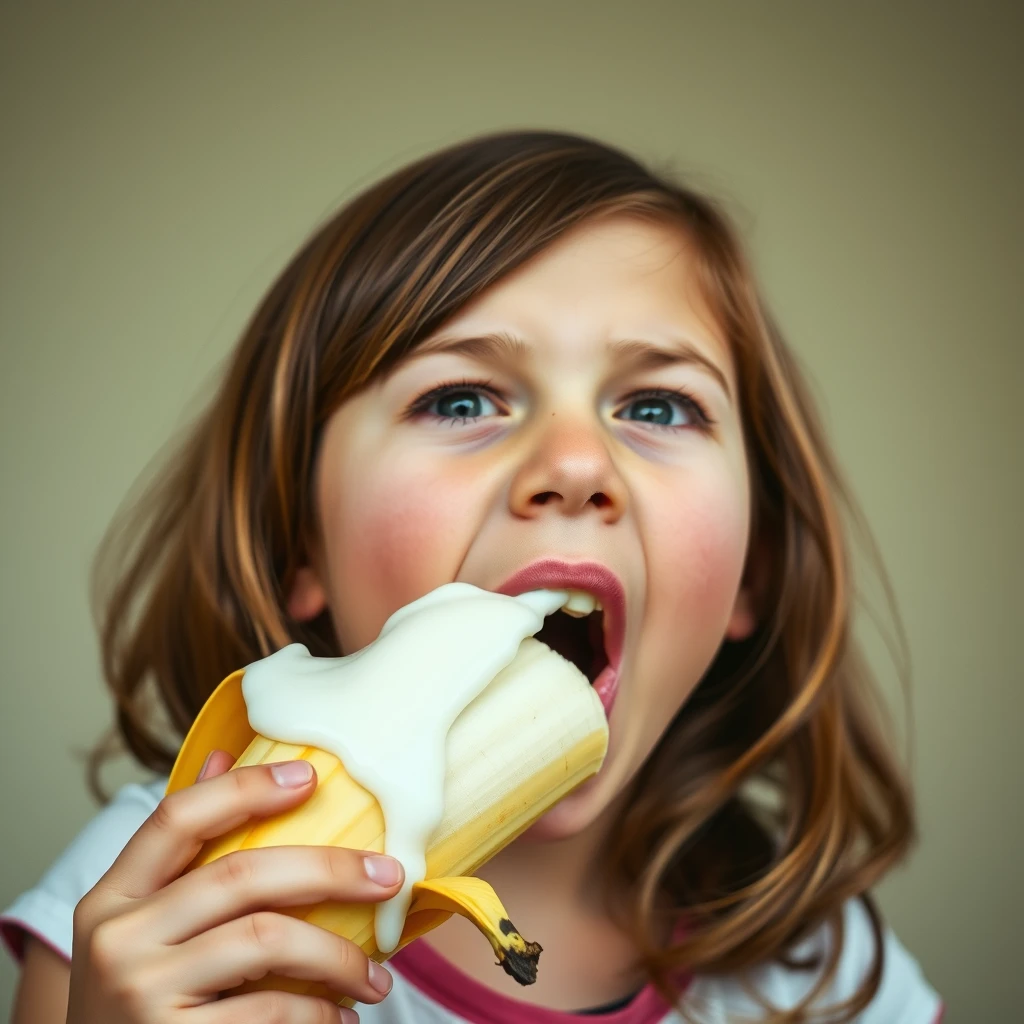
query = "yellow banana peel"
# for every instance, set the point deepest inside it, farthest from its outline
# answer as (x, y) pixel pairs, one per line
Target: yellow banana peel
(565, 746)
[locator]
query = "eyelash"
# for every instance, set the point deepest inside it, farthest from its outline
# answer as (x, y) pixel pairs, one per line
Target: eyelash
(421, 404)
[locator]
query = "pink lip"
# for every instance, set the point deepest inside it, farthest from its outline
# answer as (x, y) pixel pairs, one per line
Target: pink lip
(596, 579)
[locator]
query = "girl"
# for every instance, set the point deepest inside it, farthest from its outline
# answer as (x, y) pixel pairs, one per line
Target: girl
(526, 352)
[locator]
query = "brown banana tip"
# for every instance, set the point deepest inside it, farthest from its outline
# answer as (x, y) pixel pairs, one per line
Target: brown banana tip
(519, 958)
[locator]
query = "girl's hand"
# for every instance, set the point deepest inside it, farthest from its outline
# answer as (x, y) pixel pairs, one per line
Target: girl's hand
(154, 947)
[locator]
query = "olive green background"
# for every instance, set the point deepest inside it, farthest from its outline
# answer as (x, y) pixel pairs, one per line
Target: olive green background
(162, 160)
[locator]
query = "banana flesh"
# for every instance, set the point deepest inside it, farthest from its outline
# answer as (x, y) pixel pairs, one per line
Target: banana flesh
(533, 735)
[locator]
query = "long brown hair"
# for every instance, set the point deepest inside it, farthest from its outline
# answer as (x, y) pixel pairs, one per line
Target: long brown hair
(191, 579)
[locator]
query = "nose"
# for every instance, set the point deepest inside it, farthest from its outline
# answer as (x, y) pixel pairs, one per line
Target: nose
(568, 472)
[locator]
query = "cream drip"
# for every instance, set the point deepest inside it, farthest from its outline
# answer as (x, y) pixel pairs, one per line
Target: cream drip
(385, 710)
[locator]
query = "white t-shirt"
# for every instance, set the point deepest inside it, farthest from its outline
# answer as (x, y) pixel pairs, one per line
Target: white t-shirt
(429, 990)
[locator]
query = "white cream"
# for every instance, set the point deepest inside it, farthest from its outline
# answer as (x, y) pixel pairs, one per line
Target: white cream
(385, 710)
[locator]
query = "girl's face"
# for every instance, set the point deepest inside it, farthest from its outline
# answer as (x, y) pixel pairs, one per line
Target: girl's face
(561, 442)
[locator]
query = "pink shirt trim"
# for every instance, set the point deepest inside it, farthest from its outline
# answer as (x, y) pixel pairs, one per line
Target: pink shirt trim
(445, 984)
(13, 935)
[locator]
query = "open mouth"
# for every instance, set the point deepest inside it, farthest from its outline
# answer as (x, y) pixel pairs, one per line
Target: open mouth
(579, 640)
(589, 628)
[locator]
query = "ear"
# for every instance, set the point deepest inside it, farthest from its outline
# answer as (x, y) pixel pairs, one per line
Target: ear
(307, 597)
(749, 605)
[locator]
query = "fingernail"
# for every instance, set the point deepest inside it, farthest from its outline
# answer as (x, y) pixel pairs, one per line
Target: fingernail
(292, 773)
(348, 1015)
(384, 871)
(380, 978)
(206, 764)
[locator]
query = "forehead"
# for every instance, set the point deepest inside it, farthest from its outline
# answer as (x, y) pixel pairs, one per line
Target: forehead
(617, 276)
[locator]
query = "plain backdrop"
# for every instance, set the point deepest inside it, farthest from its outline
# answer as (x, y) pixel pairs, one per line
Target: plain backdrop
(160, 162)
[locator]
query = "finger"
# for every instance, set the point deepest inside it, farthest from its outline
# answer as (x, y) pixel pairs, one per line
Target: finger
(274, 876)
(174, 833)
(271, 1008)
(217, 763)
(256, 945)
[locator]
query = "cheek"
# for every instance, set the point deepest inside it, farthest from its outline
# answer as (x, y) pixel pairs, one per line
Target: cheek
(697, 549)
(397, 531)
(709, 542)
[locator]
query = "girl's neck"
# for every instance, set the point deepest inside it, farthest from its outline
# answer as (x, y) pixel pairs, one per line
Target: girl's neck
(554, 894)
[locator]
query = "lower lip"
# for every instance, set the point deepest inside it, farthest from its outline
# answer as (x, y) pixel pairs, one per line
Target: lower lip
(606, 685)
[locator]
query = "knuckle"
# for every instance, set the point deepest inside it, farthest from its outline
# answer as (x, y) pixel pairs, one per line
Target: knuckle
(354, 966)
(114, 972)
(336, 865)
(277, 1009)
(327, 1013)
(106, 947)
(266, 930)
(84, 919)
(250, 783)
(131, 991)
(240, 782)
(348, 957)
(235, 870)
(167, 815)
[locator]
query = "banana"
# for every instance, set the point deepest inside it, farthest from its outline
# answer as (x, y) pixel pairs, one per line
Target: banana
(474, 899)
(534, 734)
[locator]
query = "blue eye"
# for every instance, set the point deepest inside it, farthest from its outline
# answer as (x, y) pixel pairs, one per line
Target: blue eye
(653, 410)
(456, 402)
(462, 405)
(465, 401)
(659, 409)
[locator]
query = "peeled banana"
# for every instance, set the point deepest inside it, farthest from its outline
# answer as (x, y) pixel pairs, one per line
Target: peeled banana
(532, 736)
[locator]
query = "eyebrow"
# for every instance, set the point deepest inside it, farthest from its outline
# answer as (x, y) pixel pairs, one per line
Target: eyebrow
(645, 355)
(500, 347)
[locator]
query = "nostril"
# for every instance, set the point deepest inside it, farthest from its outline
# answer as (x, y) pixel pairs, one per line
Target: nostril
(599, 498)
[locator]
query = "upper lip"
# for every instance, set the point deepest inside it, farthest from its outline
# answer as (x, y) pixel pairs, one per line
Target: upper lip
(596, 579)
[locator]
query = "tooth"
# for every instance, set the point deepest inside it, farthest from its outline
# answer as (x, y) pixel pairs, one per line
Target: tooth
(580, 604)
